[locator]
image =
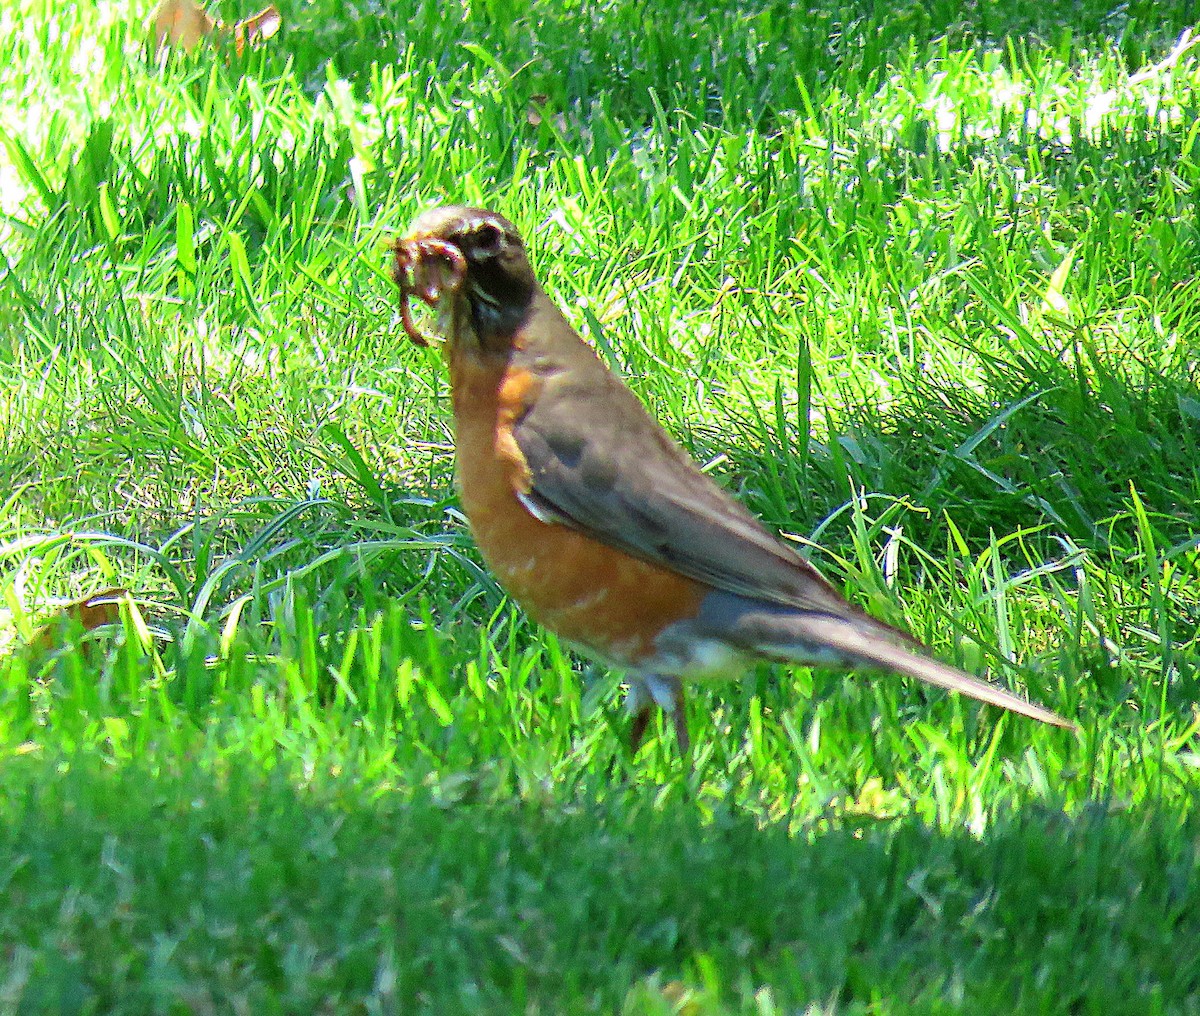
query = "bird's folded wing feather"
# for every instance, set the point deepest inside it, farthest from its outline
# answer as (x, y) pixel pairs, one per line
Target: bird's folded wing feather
(600, 464)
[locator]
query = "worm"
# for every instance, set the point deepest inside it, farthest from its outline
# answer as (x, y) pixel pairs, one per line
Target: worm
(410, 257)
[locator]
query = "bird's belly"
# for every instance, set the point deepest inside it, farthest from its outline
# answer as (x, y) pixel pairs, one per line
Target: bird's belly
(699, 659)
(592, 595)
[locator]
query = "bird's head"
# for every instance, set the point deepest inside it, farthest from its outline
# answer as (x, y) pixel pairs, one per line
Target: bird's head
(471, 265)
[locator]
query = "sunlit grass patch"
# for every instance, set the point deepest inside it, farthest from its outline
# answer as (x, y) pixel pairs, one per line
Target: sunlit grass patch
(918, 284)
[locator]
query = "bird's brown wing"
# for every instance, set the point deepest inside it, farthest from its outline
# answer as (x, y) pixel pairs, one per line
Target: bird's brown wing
(600, 464)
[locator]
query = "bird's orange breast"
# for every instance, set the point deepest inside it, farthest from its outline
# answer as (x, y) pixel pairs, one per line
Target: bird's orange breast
(589, 593)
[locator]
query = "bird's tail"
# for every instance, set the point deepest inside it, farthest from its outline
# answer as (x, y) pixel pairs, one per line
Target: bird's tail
(870, 643)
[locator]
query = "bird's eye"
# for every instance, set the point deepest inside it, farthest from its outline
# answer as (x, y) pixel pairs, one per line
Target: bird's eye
(487, 238)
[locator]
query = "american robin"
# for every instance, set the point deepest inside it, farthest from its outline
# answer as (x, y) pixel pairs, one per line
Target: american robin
(594, 520)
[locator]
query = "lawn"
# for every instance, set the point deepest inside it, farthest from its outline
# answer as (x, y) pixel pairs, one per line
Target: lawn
(917, 281)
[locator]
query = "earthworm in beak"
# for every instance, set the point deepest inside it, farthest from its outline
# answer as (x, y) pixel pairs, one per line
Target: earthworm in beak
(426, 269)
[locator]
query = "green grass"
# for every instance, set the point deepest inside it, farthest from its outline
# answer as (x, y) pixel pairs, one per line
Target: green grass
(918, 282)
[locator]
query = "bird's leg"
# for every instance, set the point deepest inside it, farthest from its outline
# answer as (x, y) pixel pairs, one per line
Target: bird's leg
(648, 692)
(637, 729)
(640, 705)
(679, 715)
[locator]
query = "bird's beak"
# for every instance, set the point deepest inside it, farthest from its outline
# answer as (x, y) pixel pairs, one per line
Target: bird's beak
(428, 269)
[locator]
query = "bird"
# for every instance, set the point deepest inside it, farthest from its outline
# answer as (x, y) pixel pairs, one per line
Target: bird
(596, 521)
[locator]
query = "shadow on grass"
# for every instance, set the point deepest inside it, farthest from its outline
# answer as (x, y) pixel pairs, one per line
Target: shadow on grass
(224, 889)
(1039, 446)
(1068, 456)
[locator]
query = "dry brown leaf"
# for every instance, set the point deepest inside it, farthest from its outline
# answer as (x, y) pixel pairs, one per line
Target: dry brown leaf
(679, 995)
(256, 28)
(533, 112)
(181, 23)
(186, 24)
(89, 613)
